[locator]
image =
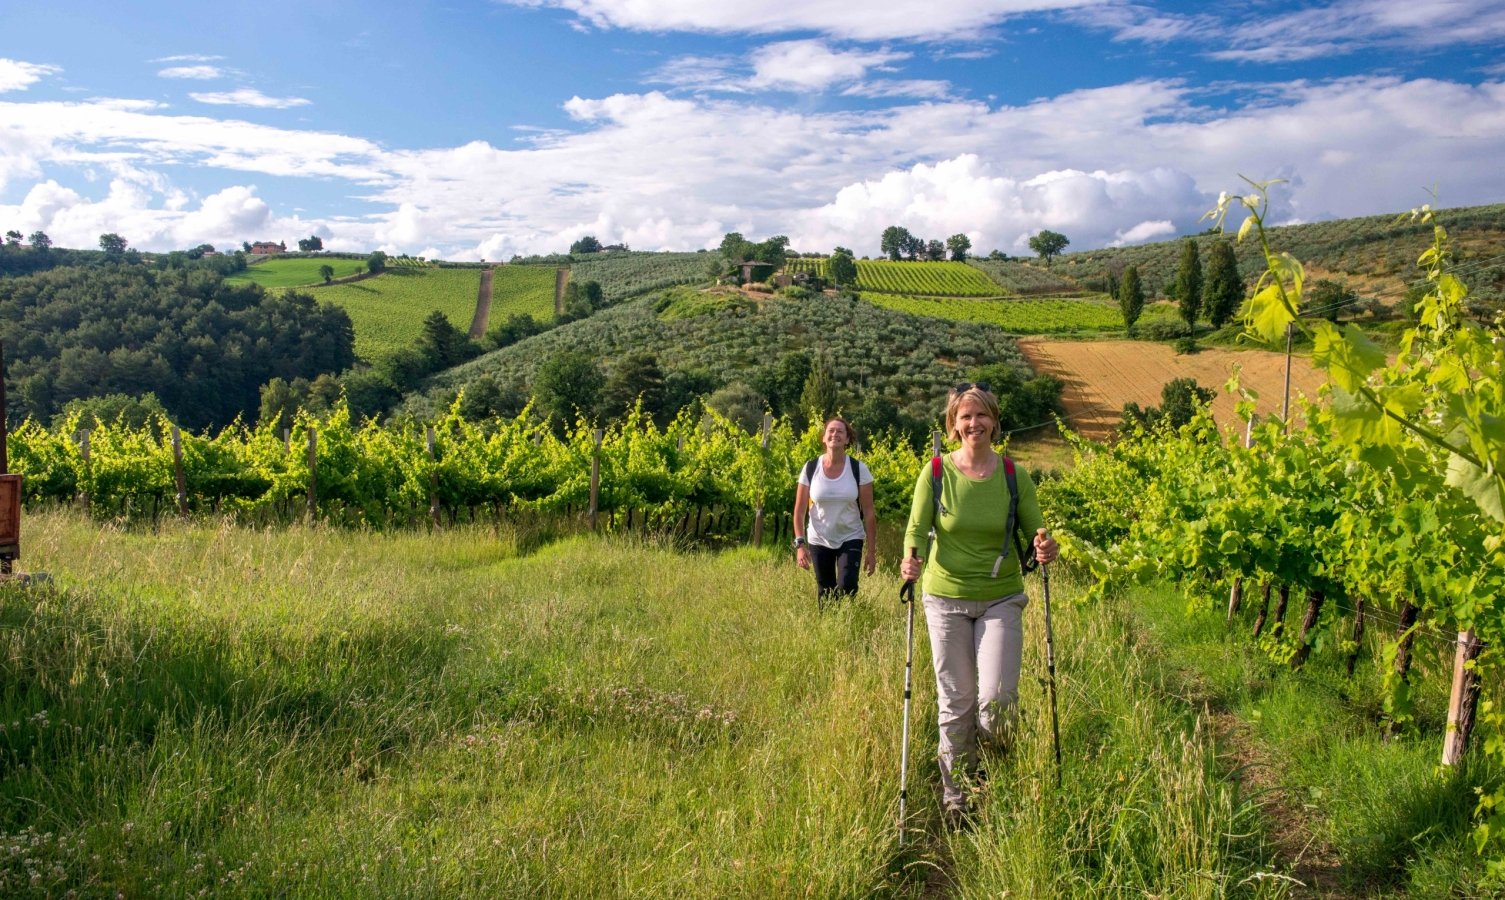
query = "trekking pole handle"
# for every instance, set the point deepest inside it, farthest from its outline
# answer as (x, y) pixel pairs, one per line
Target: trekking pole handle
(906, 593)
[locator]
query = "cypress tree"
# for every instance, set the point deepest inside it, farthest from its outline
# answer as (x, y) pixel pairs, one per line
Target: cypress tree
(1130, 297)
(1224, 291)
(1189, 283)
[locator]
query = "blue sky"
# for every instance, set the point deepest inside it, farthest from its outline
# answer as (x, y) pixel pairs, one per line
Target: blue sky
(477, 130)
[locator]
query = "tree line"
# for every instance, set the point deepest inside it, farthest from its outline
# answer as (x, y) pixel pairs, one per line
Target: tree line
(203, 347)
(1217, 296)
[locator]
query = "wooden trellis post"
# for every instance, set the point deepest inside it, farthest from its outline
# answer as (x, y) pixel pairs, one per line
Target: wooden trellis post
(595, 476)
(757, 535)
(10, 488)
(313, 475)
(1464, 701)
(428, 442)
(177, 472)
(83, 449)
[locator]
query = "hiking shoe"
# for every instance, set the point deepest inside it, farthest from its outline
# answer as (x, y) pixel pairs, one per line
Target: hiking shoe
(957, 818)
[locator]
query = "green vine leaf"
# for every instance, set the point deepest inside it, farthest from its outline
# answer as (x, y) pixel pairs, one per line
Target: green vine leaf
(1348, 356)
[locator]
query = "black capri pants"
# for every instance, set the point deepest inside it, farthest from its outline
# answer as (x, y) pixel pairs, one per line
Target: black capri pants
(836, 568)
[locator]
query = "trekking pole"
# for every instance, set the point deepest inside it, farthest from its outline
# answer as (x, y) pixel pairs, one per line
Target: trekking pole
(1050, 667)
(906, 596)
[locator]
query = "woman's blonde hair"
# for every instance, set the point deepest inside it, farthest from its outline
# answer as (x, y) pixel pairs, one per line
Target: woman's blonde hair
(980, 394)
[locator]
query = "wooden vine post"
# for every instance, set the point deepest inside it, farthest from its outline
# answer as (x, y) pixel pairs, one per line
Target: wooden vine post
(757, 535)
(1235, 597)
(1358, 635)
(1464, 701)
(177, 472)
(10, 521)
(595, 475)
(428, 443)
(1264, 610)
(83, 449)
(10, 489)
(1314, 601)
(313, 475)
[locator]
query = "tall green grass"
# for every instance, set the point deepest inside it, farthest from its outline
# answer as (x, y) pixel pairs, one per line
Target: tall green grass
(312, 712)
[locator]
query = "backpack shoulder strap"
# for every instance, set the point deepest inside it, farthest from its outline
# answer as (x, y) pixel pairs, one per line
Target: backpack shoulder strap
(855, 465)
(935, 485)
(1026, 563)
(810, 470)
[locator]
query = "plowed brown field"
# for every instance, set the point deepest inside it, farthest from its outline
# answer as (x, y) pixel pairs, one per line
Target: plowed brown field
(1101, 376)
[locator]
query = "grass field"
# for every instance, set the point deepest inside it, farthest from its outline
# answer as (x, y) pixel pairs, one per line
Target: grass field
(299, 272)
(317, 713)
(522, 290)
(388, 310)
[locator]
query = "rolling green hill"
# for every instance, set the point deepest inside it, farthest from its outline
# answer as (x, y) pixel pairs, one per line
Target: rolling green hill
(1374, 255)
(909, 359)
(296, 271)
(388, 310)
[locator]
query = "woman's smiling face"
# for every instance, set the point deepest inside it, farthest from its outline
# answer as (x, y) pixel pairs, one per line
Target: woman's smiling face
(973, 422)
(835, 437)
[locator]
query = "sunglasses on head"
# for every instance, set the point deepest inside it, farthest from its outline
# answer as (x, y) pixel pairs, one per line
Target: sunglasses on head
(970, 385)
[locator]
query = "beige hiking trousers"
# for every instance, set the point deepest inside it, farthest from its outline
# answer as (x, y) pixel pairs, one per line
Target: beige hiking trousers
(976, 646)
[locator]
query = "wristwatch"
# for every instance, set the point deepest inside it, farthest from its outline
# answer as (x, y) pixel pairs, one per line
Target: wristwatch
(798, 543)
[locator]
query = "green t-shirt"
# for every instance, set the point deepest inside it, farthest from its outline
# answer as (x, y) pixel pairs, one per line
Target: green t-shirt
(971, 532)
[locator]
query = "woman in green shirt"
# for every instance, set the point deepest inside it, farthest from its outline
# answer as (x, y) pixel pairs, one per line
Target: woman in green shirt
(973, 584)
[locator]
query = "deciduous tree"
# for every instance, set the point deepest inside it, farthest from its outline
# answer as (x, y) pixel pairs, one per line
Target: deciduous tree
(587, 244)
(1048, 244)
(958, 244)
(895, 241)
(112, 243)
(841, 268)
(567, 385)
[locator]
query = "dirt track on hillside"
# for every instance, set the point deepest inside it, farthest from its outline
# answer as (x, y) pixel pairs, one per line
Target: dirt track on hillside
(483, 307)
(1101, 376)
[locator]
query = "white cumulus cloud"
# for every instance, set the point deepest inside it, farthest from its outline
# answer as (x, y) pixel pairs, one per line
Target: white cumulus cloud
(16, 75)
(248, 97)
(877, 20)
(813, 65)
(201, 73)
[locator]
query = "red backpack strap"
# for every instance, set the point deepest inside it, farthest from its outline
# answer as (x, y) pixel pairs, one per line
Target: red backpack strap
(935, 489)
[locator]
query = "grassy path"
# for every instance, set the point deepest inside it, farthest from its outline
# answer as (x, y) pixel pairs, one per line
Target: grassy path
(316, 713)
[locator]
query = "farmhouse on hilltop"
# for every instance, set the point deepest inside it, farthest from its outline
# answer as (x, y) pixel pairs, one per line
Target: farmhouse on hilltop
(267, 247)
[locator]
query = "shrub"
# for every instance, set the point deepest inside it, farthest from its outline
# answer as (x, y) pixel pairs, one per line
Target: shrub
(1163, 329)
